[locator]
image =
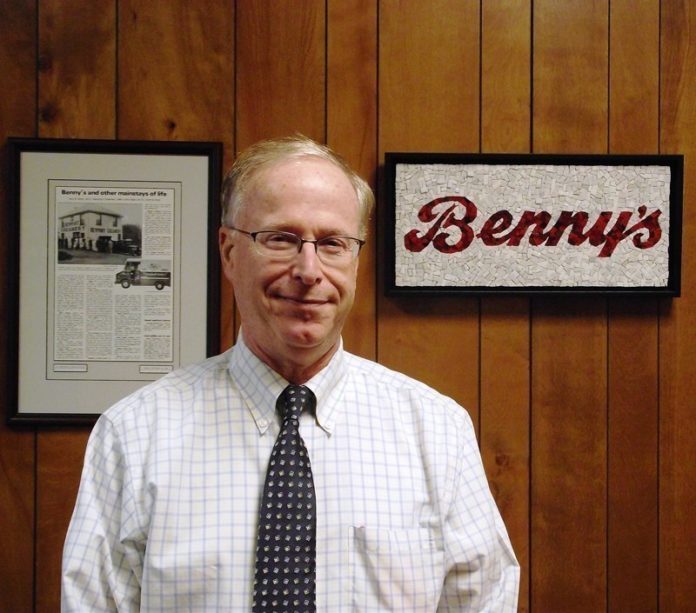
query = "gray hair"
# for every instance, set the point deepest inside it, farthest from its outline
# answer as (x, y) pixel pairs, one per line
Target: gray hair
(268, 152)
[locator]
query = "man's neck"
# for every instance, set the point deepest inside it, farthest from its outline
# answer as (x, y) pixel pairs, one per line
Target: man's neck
(297, 371)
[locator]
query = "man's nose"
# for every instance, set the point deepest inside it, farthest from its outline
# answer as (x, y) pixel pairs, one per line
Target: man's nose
(307, 266)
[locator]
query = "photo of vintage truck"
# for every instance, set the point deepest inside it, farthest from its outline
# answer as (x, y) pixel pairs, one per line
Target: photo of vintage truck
(143, 272)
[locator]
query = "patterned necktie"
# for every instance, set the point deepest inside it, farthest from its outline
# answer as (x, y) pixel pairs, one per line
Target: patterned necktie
(286, 545)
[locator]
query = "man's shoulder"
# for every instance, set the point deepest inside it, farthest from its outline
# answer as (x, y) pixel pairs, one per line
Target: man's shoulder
(177, 387)
(403, 391)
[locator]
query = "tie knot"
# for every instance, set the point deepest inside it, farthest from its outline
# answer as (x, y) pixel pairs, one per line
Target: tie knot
(293, 400)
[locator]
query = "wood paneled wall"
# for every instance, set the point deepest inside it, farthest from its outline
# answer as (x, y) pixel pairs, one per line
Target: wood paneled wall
(584, 406)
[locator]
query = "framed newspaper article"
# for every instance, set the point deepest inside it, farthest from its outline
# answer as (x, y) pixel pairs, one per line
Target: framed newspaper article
(114, 269)
(534, 224)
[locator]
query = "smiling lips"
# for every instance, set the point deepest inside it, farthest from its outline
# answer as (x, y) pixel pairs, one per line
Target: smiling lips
(302, 301)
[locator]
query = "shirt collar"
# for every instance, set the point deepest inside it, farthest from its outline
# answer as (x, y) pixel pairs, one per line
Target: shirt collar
(260, 386)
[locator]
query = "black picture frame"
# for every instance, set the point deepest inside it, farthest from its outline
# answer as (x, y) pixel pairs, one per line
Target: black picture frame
(68, 203)
(414, 180)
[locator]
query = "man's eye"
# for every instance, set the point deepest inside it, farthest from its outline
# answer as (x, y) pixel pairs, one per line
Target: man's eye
(278, 238)
(334, 243)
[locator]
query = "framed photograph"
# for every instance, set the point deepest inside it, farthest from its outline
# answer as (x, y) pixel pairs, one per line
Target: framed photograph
(114, 268)
(489, 224)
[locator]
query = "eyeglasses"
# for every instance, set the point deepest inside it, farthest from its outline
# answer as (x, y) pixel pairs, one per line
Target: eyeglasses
(332, 250)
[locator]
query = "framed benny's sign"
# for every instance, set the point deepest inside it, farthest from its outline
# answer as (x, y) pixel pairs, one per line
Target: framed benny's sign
(499, 223)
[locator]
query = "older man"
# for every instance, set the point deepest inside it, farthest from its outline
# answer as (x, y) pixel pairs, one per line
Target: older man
(287, 474)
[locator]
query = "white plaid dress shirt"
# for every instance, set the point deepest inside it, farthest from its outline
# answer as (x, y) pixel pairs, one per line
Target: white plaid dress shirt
(166, 515)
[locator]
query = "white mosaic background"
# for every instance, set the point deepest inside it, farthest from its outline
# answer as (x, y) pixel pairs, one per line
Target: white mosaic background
(552, 188)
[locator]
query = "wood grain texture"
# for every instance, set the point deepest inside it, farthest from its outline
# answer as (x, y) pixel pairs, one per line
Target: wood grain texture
(281, 61)
(17, 447)
(175, 70)
(18, 75)
(17, 479)
(634, 76)
(351, 118)
(77, 69)
(677, 355)
(505, 419)
(569, 464)
(505, 322)
(506, 76)
(569, 336)
(632, 537)
(570, 76)
(428, 101)
(429, 75)
(632, 529)
(59, 465)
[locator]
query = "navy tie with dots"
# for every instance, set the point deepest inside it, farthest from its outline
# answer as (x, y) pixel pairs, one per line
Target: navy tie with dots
(286, 546)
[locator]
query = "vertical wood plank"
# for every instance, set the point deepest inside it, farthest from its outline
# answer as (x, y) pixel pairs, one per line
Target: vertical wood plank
(17, 468)
(77, 70)
(633, 456)
(568, 506)
(17, 447)
(175, 70)
(59, 464)
(505, 322)
(506, 76)
(429, 75)
(634, 76)
(569, 366)
(281, 59)
(505, 419)
(570, 76)
(568, 546)
(176, 76)
(677, 354)
(428, 101)
(351, 117)
(632, 564)
(17, 482)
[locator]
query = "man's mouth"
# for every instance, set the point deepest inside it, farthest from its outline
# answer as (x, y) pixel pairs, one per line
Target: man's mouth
(302, 301)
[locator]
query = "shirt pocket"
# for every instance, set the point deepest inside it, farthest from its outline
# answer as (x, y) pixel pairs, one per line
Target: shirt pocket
(395, 570)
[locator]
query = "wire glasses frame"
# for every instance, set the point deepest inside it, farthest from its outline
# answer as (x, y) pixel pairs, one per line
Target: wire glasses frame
(286, 245)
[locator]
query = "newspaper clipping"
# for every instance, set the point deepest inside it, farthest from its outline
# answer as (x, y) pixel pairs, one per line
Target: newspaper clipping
(114, 283)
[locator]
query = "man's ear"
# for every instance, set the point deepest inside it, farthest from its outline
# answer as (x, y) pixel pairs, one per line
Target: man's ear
(226, 246)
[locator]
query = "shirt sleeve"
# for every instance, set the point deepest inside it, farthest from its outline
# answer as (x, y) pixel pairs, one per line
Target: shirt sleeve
(103, 552)
(482, 573)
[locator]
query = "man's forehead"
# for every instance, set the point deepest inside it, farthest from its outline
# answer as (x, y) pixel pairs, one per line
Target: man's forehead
(307, 175)
(291, 192)
(273, 173)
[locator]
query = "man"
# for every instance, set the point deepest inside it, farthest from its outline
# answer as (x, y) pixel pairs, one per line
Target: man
(180, 507)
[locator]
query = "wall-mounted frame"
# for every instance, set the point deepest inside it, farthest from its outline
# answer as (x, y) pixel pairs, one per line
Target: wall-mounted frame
(114, 270)
(498, 223)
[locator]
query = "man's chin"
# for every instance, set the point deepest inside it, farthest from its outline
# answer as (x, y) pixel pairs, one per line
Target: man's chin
(306, 335)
